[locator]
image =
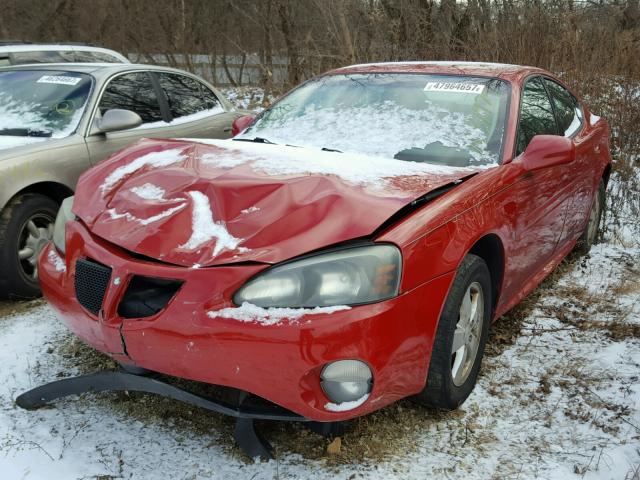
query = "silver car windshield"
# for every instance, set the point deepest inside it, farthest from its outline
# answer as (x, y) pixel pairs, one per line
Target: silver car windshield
(450, 120)
(42, 103)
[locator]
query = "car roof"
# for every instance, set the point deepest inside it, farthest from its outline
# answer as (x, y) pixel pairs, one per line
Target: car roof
(98, 70)
(65, 47)
(483, 69)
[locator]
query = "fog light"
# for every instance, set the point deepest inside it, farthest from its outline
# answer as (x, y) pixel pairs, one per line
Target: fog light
(346, 380)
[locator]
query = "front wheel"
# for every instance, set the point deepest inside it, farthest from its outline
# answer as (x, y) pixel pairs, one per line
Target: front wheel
(460, 338)
(26, 226)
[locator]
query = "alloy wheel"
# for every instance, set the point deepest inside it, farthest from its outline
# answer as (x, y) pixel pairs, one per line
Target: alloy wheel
(466, 337)
(36, 232)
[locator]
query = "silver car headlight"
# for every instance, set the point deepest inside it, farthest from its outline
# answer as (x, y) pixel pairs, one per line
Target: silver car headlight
(349, 276)
(64, 215)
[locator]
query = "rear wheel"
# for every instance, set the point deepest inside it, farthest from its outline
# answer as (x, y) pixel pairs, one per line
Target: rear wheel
(460, 338)
(590, 234)
(26, 226)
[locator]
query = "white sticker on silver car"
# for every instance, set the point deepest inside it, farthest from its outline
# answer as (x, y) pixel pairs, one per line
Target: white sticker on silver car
(59, 80)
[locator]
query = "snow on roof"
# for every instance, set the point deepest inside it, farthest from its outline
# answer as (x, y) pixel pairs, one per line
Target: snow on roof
(444, 63)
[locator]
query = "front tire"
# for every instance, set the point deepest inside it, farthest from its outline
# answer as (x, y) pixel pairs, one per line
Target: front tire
(460, 338)
(26, 226)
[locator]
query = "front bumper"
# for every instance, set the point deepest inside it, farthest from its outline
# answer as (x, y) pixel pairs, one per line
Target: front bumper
(280, 363)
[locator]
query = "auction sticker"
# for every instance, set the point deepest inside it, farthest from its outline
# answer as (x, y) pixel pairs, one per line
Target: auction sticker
(59, 80)
(458, 87)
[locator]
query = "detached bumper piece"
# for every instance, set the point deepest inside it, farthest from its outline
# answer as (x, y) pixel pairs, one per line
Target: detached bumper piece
(245, 434)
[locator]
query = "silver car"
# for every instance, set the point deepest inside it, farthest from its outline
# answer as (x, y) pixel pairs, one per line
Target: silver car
(57, 120)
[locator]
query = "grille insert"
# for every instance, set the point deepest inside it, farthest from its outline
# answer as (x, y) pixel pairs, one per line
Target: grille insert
(91, 282)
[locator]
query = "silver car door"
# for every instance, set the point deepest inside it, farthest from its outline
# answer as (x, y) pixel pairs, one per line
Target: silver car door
(133, 91)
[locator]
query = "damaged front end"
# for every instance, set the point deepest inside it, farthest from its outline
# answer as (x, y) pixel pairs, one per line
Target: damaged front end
(132, 277)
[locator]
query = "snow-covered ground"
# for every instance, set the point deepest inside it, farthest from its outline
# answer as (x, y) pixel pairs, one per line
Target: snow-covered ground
(247, 98)
(558, 398)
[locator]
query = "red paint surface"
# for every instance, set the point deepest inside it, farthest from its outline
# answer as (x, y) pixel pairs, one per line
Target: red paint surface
(240, 123)
(535, 215)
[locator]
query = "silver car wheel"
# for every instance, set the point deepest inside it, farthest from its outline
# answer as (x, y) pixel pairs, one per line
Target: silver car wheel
(466, 337)
(36, 233)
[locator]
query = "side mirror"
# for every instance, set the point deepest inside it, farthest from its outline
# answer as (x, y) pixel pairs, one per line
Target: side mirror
(547, 151)
(115, 120)
(240, 123)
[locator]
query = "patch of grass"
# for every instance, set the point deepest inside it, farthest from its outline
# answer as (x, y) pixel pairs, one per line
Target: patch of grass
(506, 330)
(15, 307)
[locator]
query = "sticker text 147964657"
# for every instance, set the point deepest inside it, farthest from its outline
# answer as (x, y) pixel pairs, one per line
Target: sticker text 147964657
(458, 87)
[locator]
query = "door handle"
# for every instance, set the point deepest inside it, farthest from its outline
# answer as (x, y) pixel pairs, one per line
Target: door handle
(228, 129)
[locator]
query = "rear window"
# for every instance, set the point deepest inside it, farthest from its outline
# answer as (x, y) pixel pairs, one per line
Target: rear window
(49, 56)
(95, 57)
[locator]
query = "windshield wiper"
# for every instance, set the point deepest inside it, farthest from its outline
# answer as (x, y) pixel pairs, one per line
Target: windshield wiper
(325, 149)
(25, 132)
(255, 140)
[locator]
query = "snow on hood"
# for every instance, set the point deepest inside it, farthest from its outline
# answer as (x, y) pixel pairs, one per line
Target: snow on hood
(213, 202)
(364, 170)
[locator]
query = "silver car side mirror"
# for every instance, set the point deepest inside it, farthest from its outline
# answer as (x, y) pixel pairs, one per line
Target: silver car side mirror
(115, 120)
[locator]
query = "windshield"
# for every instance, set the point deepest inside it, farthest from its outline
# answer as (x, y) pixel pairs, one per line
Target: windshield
(42, 104)
(447, 120)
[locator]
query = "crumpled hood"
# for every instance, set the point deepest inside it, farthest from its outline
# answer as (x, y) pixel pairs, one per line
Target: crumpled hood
(211, 202)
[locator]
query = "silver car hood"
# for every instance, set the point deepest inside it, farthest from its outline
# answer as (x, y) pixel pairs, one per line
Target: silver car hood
(9, 142)
(16, 147)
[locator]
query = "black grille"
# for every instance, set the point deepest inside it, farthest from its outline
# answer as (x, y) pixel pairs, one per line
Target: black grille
(91, 282)
(146, 296)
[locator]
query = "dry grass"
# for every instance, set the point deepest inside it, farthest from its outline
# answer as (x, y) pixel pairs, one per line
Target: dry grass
(14, 307)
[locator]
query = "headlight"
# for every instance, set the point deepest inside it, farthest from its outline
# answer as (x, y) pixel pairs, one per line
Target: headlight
(64, 215)
(349, 276)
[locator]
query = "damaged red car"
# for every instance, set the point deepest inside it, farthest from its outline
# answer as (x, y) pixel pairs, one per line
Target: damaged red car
(349, 248)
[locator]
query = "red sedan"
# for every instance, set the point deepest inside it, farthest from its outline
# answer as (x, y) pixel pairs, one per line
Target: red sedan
(349, 248)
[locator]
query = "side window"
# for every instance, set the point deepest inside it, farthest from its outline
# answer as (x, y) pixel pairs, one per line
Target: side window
(568, 110)
(185, 95)
(536, 114)
(132, 91)
(209, 98)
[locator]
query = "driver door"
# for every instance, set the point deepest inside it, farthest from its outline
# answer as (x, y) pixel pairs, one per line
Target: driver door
(536, 204)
